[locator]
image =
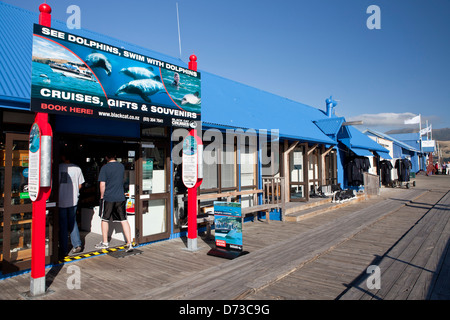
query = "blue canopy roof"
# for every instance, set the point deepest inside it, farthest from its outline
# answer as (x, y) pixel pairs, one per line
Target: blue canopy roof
(360, 140)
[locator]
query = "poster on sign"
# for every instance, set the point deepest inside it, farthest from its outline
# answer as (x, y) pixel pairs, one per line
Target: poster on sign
(75, 75)
(34, 158)
(190, 162)
(228, 230)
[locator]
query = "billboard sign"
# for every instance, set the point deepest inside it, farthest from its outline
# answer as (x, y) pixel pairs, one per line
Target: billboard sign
(74, 75)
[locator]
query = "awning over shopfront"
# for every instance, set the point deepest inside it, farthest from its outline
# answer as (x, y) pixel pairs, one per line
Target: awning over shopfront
(360, 140)
(359, 143)
(384, 155)
(358, 151)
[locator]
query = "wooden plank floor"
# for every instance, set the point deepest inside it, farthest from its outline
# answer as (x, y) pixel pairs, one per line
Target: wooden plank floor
(341, 272)
(282, 258)
(415, 267)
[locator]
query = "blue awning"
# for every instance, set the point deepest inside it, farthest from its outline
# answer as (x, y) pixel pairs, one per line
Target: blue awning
(360, 140)
(358, 151)
(361, 152)
(384, 155)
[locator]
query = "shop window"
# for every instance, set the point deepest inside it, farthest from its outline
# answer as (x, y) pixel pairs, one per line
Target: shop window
(154, 132)
(2, 176)
(154, 217)
(270, 159)
(297, 182)
(331, 168)
(210, 172)
(313, 171)
(19, 185)
(228, 167)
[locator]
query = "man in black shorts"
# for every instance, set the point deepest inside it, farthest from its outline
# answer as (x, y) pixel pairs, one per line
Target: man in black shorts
(112, 200)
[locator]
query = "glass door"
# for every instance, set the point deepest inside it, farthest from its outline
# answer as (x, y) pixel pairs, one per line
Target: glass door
(297, 181)
(16, 210)
(153, 193)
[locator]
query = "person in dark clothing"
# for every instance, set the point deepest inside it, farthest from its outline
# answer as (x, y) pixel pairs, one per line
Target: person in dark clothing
(112, 198)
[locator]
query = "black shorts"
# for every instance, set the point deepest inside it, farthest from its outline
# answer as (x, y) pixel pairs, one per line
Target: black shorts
(116, 210)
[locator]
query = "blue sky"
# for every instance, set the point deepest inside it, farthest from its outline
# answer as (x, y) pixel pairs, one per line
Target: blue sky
(303, 50)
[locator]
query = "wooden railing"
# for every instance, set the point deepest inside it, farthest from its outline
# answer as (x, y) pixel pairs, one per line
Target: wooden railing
(274, 193)
(272, 197)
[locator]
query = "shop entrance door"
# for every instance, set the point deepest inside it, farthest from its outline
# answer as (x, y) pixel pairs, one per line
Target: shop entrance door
(16, 207)
(152, 192)
(298, 183)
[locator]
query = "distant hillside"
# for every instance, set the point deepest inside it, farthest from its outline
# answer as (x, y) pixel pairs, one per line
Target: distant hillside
(438, 134)
(445, 150)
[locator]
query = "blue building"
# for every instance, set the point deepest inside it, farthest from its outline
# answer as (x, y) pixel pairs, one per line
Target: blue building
(402, 146)
(249, 136)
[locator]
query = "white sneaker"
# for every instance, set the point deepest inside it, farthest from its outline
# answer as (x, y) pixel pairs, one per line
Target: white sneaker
(102, 245)
(129, 248)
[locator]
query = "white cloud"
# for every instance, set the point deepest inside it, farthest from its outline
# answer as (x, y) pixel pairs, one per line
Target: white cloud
(43, 48)
(383, 119)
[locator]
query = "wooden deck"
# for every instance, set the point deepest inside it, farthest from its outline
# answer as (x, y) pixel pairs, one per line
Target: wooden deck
(410, 246)
(322, 257)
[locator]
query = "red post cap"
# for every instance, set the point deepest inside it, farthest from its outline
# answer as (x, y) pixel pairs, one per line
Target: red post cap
(45, 8)
(192, 65)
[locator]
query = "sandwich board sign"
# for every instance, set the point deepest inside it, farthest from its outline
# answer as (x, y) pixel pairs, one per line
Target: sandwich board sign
(228, 230)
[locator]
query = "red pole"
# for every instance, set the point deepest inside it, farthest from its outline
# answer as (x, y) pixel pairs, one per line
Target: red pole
(192, 192)
(39, 205)
(45, 17)
(38, 217)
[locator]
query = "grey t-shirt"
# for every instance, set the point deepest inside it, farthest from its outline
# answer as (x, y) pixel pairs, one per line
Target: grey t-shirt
(112, 174)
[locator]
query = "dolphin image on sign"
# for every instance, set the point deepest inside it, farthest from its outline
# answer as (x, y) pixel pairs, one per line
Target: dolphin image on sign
(191, 98)
(98, 60)
(138, 73)
(143, 88)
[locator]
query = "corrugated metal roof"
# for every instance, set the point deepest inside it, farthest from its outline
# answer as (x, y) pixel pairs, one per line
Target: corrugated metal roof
(15, 52)
(410, 139)
(394, 140)
(224, 102)
(234, 104)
